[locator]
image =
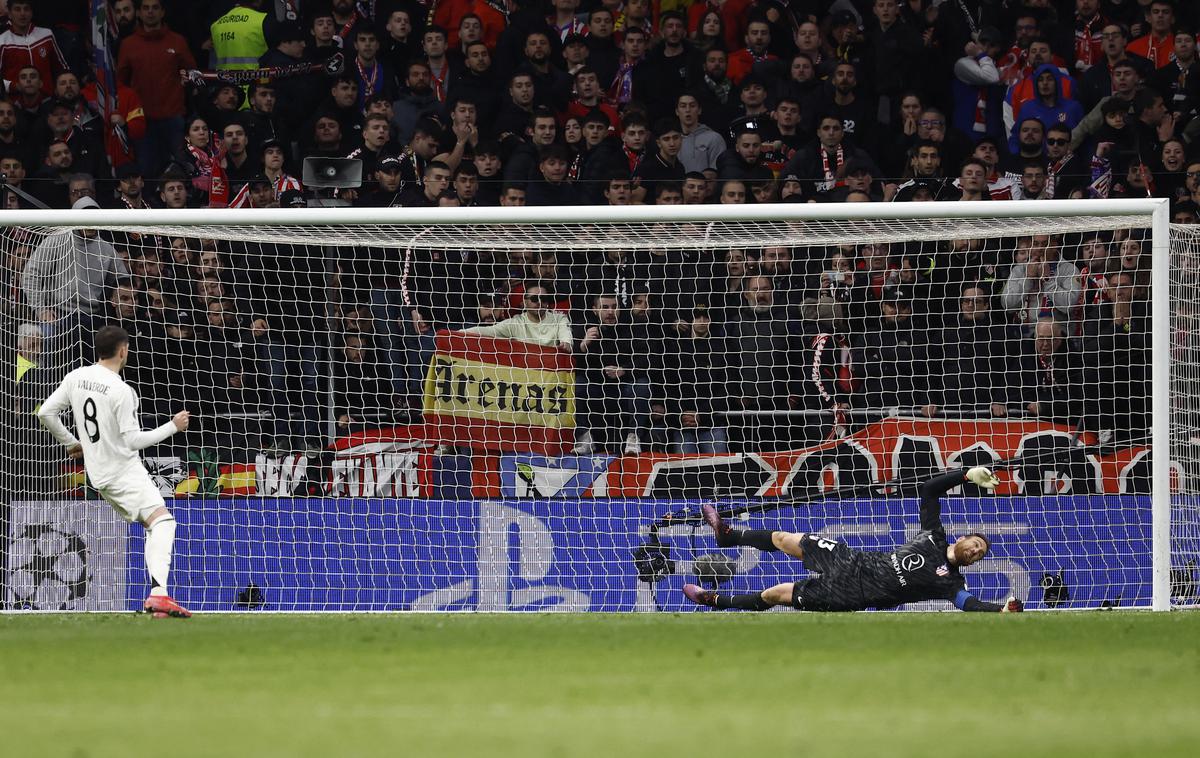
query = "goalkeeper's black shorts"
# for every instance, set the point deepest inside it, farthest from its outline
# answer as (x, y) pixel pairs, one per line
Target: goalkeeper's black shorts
(824, 556)
(826, 593)
(837, 588)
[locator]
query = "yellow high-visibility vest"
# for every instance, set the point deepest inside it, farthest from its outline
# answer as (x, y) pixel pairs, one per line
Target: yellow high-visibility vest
(238, 39)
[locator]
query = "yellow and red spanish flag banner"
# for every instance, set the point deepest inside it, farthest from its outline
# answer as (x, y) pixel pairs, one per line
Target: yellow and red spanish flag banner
(497, 394)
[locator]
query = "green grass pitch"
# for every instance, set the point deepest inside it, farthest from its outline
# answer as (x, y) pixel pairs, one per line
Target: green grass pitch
(664, 685)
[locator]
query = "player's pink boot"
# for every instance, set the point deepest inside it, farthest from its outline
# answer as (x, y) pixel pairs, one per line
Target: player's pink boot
(699, 595)
(721, 531)
(162, 606)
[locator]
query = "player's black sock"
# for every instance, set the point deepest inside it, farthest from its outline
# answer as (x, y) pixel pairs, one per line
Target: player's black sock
(756, 538)
(726, 537)
(750, 602)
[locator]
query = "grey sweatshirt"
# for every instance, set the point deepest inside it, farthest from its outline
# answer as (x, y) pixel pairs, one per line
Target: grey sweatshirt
(701, 149)
(69, 272)
(1060, 289)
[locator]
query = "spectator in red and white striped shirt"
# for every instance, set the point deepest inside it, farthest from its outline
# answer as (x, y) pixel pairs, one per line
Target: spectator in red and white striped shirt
(27, 45)
(272, 160)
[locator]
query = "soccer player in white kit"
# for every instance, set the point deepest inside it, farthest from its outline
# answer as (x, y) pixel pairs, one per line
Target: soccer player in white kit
(105, 409)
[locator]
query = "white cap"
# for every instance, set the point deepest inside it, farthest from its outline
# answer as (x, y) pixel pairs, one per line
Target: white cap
(85, 202)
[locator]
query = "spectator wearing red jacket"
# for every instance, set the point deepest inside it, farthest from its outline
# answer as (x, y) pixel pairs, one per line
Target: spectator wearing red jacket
(758, 39)
(449, 12)
(24, 44)
(588, 98)
(149, 63)
(1159, 45)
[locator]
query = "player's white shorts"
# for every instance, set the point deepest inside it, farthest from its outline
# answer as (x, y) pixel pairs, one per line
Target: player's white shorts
(133, 496)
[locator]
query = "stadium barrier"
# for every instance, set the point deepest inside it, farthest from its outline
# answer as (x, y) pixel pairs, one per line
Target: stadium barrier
(397, 462)
(310, 554)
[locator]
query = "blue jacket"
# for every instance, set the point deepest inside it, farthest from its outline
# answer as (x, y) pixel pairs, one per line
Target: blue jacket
(1065, 111)
(966, 97)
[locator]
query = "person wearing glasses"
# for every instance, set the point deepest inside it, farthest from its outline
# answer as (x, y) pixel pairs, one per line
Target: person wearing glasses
(1066, 172)
(1097, 82)
(1192, 182)
(1015, 64)
(1033, 181)
(933, 126)
(537, 322)
(80, 186)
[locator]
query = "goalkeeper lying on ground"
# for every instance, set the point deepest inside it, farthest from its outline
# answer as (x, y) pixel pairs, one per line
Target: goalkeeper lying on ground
(925, 568)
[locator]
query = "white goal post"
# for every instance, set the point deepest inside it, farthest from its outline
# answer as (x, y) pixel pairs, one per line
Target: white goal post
(469, 574)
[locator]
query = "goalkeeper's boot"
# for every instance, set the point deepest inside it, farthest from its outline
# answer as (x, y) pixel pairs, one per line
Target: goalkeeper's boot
(725, 535)
(162, 606)
(700, 596)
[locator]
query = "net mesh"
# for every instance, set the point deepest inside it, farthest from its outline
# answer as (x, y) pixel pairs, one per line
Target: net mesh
(503, 417)
(1185, 413)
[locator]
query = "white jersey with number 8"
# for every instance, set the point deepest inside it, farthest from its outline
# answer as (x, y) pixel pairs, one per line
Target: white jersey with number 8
(105, 409)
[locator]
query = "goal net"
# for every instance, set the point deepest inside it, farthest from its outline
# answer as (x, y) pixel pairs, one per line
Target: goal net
(524, 408)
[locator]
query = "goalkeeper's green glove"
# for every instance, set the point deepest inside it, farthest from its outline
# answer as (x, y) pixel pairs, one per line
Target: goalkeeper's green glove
(982, 476)
(1012, 605)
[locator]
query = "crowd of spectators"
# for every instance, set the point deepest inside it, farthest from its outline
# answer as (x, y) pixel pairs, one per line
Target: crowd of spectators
(546, 102)
(465, 102)
(690, 350)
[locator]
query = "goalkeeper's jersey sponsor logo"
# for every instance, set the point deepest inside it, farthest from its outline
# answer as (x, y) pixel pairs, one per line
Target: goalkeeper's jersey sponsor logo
(899, 572)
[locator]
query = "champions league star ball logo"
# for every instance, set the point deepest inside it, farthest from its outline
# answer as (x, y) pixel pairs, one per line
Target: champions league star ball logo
(51, 569)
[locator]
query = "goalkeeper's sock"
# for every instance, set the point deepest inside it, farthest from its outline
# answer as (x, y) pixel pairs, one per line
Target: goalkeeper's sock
(756, 538)
(750, 602)
(160, 541)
